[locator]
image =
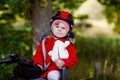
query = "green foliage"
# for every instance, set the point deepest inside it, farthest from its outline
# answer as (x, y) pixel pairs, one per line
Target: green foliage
(21, 8)
(44, 3)
(82, 17)
(15, 41)
(112, 12)
(6, 71)
(66, 4)
(111, 3)
(108, 46)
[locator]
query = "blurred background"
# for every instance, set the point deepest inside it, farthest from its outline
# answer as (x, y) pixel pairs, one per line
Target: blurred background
(97, 31)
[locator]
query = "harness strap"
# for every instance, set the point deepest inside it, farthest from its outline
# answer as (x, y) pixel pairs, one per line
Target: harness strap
(44, 54)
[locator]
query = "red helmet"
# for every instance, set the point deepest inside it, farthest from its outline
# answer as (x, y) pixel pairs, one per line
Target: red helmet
(62, 15)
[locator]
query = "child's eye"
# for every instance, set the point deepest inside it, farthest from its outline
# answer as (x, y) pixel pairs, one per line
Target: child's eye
(57, 26)
(63, 28)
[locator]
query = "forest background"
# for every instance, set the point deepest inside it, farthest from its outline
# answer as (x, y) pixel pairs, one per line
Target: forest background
(22, 23)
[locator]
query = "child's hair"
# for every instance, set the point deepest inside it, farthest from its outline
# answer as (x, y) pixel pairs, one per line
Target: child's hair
(71, 37)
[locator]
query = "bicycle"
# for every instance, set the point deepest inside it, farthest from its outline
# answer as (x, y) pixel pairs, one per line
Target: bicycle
(15, 58)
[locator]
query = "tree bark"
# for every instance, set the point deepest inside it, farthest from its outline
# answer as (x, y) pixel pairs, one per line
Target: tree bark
(40, 21)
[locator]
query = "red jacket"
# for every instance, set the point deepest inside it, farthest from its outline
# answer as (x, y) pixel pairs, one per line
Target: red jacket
(49, 43)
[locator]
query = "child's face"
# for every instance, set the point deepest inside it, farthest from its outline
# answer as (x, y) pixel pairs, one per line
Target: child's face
(59, 30)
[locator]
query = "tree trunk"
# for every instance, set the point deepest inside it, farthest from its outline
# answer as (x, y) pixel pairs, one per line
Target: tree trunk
(40, 21)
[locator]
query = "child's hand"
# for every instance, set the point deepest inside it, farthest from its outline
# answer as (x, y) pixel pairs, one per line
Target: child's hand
(39, 66)
(59, 63)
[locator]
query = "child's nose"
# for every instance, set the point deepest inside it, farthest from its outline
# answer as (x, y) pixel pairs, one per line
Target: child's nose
(60, 30)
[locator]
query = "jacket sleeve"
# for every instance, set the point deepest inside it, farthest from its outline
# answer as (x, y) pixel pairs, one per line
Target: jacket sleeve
(72, 59)
(38, 57)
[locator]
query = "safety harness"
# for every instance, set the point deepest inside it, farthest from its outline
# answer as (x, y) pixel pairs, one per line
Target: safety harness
(44, 50)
